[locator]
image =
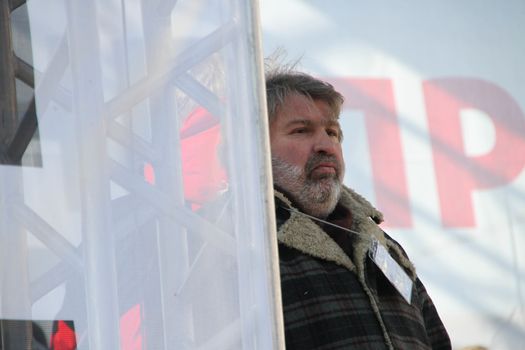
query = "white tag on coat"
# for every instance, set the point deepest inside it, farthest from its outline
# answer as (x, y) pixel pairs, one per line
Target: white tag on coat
(391, 269)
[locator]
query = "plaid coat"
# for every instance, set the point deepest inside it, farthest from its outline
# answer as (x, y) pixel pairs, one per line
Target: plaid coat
(334, 296)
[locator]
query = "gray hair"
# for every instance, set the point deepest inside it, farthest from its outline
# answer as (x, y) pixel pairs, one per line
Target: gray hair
(285, 81)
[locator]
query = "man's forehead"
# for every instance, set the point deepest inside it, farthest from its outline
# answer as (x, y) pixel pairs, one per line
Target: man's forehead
(330, 121)
(298, 106)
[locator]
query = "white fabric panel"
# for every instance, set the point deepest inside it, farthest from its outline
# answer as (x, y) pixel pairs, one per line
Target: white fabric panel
(148, 223)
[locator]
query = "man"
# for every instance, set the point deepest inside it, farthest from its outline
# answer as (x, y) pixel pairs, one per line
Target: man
(334, 295)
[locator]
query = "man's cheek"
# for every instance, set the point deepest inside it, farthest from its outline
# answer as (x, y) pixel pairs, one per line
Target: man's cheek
(342, 170)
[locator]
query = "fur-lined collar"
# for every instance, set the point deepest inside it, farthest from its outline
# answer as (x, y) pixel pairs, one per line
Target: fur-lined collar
(302, 233)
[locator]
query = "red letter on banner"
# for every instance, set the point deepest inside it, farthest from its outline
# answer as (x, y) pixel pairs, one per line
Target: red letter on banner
(375, 98)
(458, 175)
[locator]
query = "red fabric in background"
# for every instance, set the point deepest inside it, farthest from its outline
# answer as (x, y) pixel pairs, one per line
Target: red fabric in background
(203, 174)
(130, 330)
(63, 338)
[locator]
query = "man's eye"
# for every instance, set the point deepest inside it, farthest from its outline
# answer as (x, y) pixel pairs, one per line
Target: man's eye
(299, 131)
(333, 133)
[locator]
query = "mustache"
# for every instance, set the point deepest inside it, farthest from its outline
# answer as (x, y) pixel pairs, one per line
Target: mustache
(319, 158)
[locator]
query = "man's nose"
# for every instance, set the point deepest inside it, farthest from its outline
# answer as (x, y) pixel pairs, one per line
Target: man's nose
(325, 143)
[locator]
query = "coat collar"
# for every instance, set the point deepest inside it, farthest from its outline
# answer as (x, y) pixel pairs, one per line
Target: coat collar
(302, 233)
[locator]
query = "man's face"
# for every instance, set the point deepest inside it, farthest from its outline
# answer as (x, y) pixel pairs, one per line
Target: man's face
(307, 158)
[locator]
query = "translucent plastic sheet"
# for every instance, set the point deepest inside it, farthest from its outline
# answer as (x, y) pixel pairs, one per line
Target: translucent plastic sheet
(138, 216)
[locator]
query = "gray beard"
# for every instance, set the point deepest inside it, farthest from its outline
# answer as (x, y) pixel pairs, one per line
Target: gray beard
(317, 197)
